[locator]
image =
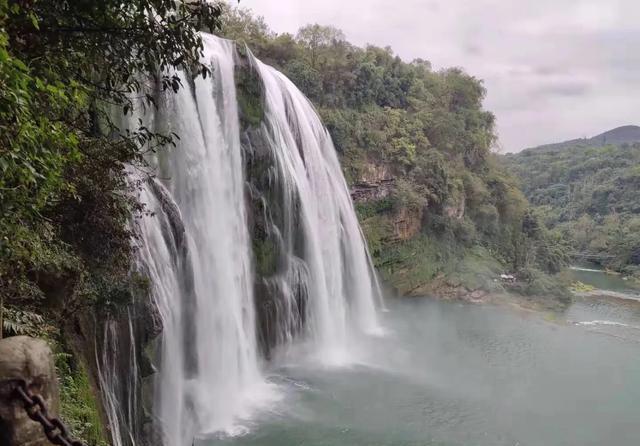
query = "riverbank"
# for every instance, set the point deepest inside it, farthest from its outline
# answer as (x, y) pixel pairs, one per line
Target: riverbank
(546, 306)
(557, 296)
(554, 296)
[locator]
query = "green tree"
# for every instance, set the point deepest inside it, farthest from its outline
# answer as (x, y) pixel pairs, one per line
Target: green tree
(315, 38)
(64, 205)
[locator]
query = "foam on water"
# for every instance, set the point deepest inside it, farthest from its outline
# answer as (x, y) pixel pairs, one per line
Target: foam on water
(607, 323)
(591, 270)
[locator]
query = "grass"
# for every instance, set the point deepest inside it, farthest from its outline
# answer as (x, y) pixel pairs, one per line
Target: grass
(579, 287)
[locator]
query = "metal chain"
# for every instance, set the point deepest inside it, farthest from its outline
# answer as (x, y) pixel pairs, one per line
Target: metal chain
(36, 409)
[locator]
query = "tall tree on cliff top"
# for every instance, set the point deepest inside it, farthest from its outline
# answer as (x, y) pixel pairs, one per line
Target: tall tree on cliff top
(316, 37)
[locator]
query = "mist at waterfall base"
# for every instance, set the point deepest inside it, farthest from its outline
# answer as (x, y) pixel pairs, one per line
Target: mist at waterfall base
(451, 374)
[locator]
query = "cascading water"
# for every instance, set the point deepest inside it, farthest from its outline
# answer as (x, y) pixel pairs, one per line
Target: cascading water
(253, 241)
(342, 287)
(209, 361)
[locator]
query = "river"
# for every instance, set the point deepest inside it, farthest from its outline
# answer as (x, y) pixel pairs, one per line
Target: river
(463, 374)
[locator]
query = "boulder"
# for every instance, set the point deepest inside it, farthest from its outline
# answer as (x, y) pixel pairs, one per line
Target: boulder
(29, 359)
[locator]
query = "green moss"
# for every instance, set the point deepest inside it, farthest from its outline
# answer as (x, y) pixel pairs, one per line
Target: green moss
(579, 287)
(79, 407)
(374, 207)
(266, 257)
(410, 264)
(476, 269)
(250, 97)
(377, 230)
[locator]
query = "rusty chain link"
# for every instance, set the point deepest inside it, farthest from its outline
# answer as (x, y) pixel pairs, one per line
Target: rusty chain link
(35, 407)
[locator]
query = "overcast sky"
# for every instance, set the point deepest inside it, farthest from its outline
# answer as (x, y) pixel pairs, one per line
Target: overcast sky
(554, 69)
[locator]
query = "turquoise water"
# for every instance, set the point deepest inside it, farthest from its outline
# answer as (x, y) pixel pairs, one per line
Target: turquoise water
(600, 279)
(461, 374)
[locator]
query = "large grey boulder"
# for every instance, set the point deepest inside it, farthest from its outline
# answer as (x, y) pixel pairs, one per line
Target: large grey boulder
(22, 357)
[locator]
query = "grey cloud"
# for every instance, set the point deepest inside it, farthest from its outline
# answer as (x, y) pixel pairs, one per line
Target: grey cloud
(548, 70)
(472, 49)
(563, 89)
(563, 68)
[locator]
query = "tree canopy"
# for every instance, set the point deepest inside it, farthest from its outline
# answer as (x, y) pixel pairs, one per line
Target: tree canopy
(589, 194)
(64, 204)
(425, 129)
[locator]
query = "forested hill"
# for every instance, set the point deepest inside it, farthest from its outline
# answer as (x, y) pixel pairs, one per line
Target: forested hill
(628, 134)
(589, 192)
(415, 144)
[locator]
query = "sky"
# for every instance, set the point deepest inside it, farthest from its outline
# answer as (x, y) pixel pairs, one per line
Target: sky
(554, 69)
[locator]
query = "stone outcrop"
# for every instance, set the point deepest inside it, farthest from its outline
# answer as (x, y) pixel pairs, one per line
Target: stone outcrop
(407, 223)
(369, 191)
(374, 172)
(375, 183)
(455, 209)
(22, 357)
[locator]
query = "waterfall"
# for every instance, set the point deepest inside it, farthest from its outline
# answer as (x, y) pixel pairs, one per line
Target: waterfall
(202, 284)
(252, 244)
(342, 286)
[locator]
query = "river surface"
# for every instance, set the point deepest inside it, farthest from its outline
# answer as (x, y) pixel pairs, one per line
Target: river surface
(602, 280)
(462, 374)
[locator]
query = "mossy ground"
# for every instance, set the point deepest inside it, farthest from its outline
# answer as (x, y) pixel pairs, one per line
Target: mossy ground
(79, 406)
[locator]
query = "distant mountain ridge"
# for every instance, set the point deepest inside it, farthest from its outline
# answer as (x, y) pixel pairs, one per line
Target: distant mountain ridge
(617, 136)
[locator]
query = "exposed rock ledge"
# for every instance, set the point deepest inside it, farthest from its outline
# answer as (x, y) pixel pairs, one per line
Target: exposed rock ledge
(369, 191)
(374, 183)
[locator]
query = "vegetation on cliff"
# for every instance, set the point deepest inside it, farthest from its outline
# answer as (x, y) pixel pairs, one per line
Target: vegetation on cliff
(588, 192)
(65, 246)
(415, 146)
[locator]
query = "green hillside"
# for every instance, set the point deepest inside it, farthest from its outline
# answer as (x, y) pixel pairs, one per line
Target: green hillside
(589, 193)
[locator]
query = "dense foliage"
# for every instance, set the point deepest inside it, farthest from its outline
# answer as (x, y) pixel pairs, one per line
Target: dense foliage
(65, 201)
(588, 195)
(424, 133)
(62, 178)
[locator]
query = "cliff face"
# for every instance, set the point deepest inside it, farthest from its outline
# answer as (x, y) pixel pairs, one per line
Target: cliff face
(365, 191)
(419, 245)
(376, 184)
(407, 223)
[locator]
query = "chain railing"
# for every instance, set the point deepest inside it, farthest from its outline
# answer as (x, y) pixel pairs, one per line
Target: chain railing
(35, 407)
